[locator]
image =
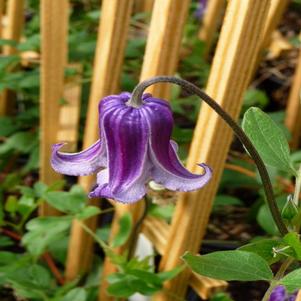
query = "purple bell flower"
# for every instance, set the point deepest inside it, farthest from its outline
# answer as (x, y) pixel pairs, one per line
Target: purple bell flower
(134, 148)
(279, 294)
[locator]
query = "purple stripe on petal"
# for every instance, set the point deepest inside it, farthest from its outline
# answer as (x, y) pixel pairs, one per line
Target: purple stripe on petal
(126, 135)
(168, 169)
(79, 164)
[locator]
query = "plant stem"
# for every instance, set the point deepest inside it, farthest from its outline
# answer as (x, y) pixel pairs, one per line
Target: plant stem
(136, 101)
(135, 232)
(277, 277)
(96, 238)
(297, 187)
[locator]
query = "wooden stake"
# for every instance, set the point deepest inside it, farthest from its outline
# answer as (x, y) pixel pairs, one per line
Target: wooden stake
(11, 31)
(293, 110)
(235, 57)
(54, 23)
(299, 296)
(1, 17)
(276, 11)
(210, 22)
(113, 28)
(143, 6)
(13, 27)
(163, 43)
(69, 112)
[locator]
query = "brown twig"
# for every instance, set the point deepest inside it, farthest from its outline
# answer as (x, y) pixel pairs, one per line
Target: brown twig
(240, 169)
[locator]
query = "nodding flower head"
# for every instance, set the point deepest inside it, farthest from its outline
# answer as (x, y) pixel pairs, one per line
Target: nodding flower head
(134, 148)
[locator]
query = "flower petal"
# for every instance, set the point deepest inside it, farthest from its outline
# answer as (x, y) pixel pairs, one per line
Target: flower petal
(126, 134)
(174, 176)
(79, 164)
(168, 169)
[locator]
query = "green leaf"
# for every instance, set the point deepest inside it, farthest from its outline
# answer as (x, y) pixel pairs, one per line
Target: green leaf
(225, 200)
(292, 281)
(268, 139)
(43, 231)
(265, 219)
(88, 212)
(39, 189)
(5, 241)
(33, 276)
(292, 239)
(230, 265)
(21, 141)
(7, 126)
(163, 211)
(7, 258)
(125, 227)
(221, 297)
(171, 274)
(11, 204)
(255, 97)
(76, 294)
(264, 248)
(69, 202)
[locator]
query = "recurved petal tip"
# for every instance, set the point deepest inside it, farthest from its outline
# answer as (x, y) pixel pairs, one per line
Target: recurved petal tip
(78, 164)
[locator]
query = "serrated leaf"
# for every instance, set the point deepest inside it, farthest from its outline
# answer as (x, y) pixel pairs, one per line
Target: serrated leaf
(230, 265)
(43, 231)
(268, 139)
(125, 227)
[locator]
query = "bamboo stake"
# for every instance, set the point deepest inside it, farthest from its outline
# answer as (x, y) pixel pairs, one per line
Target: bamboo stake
(276, 11)
(113, 29)
(14, 26)
(54, 23)
(161, 57)
(299, 296)
(11, 31)
(293, 115)
(211, 21)
(233, 64)
(163, 44)
(143, 6)
(69, 113)
(1, 17)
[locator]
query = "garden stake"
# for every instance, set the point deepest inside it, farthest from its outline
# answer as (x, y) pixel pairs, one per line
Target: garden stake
(231, 71)
(54, 27)
(11, 31)
(293, 115)
(210, 22)
(113, 28)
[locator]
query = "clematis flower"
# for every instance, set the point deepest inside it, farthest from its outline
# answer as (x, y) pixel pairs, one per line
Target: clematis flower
(279, 294)
(134, 148)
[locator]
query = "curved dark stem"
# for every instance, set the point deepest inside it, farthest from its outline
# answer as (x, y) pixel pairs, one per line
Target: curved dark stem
(136, 229)
(136, 101)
